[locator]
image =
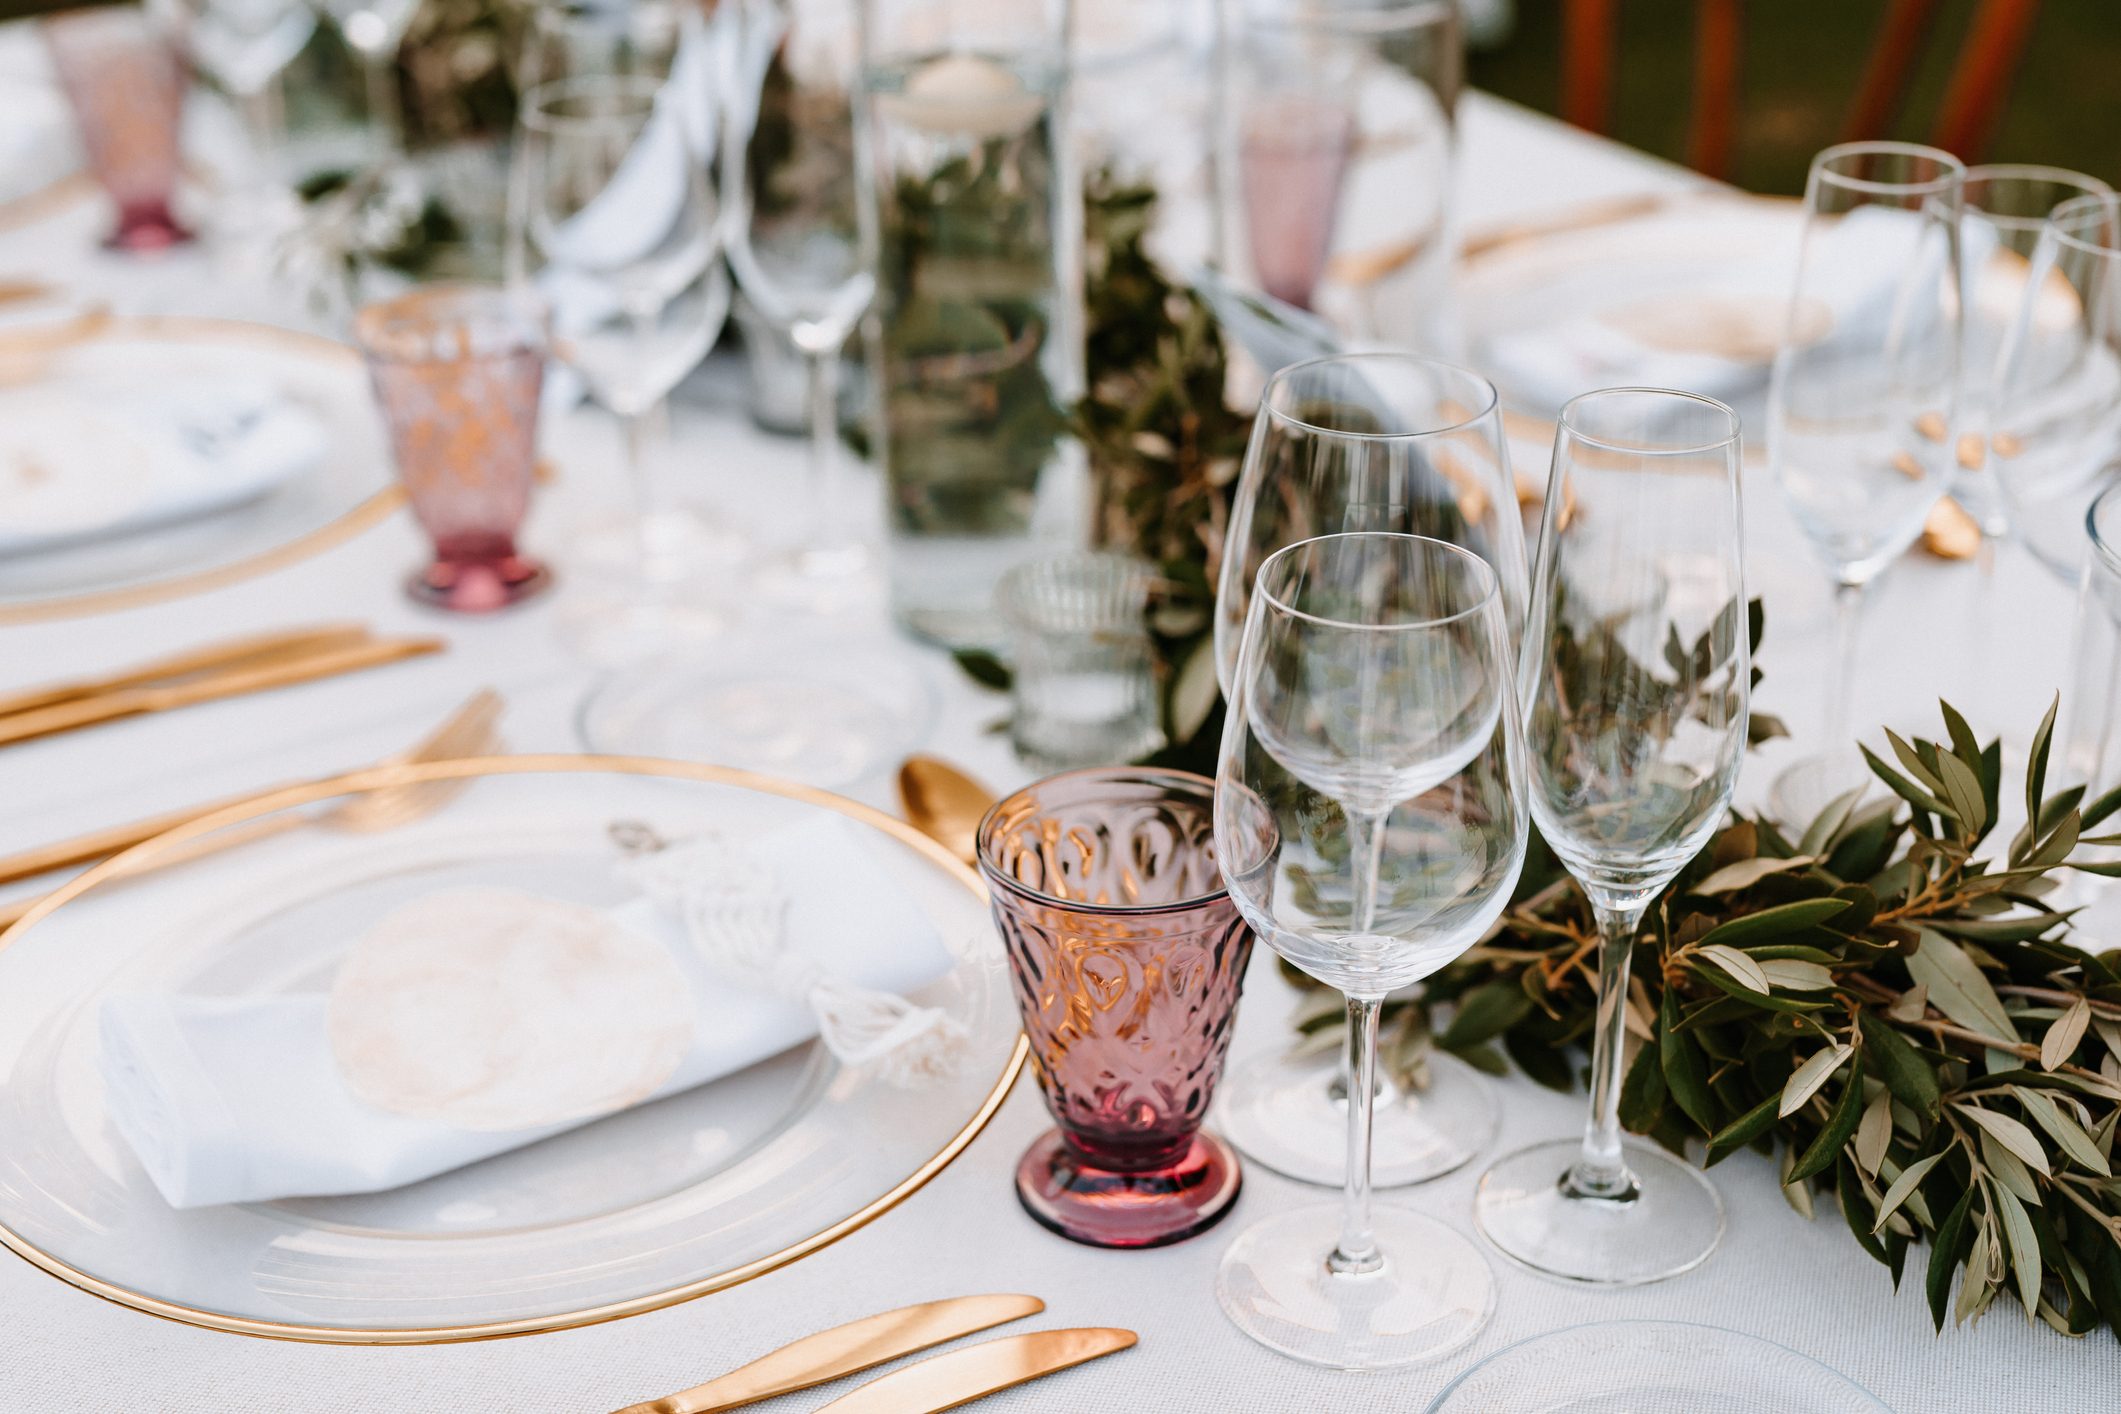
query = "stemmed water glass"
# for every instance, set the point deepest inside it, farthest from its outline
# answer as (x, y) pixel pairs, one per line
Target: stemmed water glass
(1370, 820)
(243, 45)
(799, 246)
(1635, 682)
(2055, 421)
(619, 232)
(1365, 442)
(373, 30)
(1862, 403)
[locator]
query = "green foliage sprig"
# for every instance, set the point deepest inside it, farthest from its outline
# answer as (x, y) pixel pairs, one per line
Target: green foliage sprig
(1885, 1000)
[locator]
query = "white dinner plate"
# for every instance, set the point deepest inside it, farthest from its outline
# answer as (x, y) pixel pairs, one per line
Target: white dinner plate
(639, 1210)
(350, 488)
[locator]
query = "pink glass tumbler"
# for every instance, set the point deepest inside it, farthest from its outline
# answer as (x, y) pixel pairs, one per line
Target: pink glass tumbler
(125, 83)
(1128, 957)
(457, 370)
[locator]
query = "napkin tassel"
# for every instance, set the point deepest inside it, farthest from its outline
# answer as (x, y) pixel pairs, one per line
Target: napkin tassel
(738, 922)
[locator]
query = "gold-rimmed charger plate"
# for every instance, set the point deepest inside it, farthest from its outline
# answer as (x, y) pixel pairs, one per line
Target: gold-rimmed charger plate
(657, 1205)
(352, 490)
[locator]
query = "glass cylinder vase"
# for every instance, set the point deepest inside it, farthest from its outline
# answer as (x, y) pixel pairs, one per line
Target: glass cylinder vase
(976, 335)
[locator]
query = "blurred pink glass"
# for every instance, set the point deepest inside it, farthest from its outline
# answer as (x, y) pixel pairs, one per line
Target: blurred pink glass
(1128, 957)
(125, 82)
(1292, 160)
(457, 370)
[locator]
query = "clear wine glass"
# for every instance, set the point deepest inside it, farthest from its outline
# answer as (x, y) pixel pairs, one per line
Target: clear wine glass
(1365, 442)
(619, 232)
(243, 45)
(1862, 405)
(2055, 419)
(373, 30)
(1635, 683)
(801, 250)
(1370, 819)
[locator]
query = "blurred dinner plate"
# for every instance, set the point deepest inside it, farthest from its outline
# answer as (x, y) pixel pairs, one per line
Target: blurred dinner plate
(278, 520)
(1651, 1367)
(1692, 294)
(639, 1210)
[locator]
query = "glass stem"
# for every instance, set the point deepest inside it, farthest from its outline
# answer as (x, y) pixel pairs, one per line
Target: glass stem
(1601, 1171)
(379, 70)
(633, 432)
(1357, 1251)
(825, 490)
(1841, 686)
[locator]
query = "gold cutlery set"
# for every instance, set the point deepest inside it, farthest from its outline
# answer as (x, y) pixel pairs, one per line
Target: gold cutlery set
(257, 663)
(926, 1387)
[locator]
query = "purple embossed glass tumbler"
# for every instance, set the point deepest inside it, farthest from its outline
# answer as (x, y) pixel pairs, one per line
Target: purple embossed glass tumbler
(1128, 957)
(457, 370)
(125, 82)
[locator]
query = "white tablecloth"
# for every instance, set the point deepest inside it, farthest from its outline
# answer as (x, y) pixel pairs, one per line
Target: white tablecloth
(1805, 1284)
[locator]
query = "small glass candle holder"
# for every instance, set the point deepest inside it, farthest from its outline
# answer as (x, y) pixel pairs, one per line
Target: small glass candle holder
(125, 83)
(457, 370)
(1128, 957)
(1085, 684)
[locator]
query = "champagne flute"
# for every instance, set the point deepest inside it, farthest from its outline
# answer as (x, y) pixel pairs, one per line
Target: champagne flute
(2055, 421)
(1365, 442)
(1862, 403)
(1635, 682)
(1370, 819)
(620, 234)
(800, 249)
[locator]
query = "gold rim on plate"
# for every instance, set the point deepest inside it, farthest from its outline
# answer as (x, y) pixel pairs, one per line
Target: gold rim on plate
(363, 515)
(376, 777)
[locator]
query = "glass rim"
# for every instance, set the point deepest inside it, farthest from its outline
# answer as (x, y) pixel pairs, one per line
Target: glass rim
(1489, 580)
(1484, 386)
(537, 115)
(2058, 221)
(1952, 171)
(2107, 551)
(1382, 19)
(1152, 775)
(1566, 426)
(467, 303)
(2087, 185)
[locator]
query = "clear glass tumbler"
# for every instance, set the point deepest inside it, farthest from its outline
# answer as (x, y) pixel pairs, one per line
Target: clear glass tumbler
(1128, 957)
(457, 370)
(1085, 689)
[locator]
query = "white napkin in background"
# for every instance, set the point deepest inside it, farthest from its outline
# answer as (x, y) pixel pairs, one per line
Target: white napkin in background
(240, 1099)
(85, 460)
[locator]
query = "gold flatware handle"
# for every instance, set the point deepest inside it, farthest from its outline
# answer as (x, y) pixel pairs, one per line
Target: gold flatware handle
(97, 843)
(227, 653)
(246, 833)
(844, 1350)
(135, 701)
(946, 1381)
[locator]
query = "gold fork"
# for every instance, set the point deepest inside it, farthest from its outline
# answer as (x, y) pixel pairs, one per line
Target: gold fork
(468, 731)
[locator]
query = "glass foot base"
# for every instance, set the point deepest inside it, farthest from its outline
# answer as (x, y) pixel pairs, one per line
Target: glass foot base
(478, 588)
(1804, 789)
(1290, 1114)
(1105, 1208)
(823, 579)
(1431, 1297)
(146, 228)
(1671, 1224)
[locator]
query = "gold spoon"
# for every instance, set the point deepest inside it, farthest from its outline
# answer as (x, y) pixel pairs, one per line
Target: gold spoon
(944, 804)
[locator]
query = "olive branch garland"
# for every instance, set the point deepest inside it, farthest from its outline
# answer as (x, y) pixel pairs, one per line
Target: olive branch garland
(1894, 1011)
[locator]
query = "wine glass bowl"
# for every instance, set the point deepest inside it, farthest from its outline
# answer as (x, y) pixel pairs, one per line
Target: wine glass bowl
(1371, 822)
(1366, 442)
(1636, 672)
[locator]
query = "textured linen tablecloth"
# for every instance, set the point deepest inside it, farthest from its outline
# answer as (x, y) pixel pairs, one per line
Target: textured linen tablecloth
(1995, 646)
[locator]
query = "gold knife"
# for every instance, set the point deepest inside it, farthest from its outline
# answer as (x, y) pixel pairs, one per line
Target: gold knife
(946, 1381)
(845, 1350)
(133, 701)
(249, 650)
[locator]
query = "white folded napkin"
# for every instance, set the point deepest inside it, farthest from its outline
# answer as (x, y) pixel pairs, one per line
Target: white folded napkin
(242, 1099)
(89, 459)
